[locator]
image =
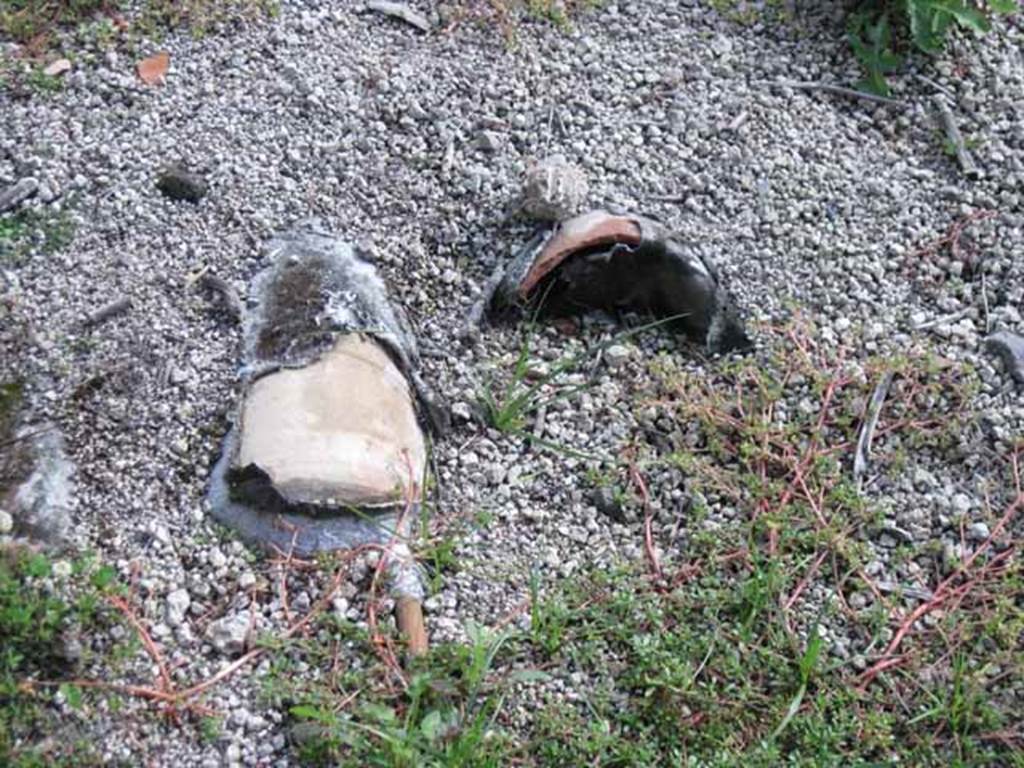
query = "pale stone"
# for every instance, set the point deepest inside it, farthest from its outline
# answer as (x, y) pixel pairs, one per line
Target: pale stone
(341, 431)
(229, 633)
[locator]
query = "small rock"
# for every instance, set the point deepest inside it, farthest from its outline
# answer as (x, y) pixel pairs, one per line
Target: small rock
(1009, 347)
(537, 370)
(6, 522)
(70, 648)
(416, 112)
(433, 604)
(616, 355)
(488, 141)
(178, 603)
(461, 411)
(721, 45)
(228, 634)
(17, 193)
(554, 189)
(217, 559)
(42, 502)
(961, 503)
(178, 184)
(607, 504)
(978, 531)
(400, 11)
(58, 67)
(301, 602)
(307, 732)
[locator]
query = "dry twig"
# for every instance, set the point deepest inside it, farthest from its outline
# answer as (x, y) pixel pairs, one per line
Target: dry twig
(956, 140)
(837, 90)
(641, 486)
(949, 590)
(867, 430)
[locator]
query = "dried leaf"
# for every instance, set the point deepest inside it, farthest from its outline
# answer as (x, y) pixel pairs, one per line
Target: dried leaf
(153, 69)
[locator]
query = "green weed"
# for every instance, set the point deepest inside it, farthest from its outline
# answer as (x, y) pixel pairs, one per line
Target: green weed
(38, 24)
(879, 29)
(507, 408)
(28, 232)
(506, 15)
(724, 660)
(35, 622)
(201, 17)
(706, 673)
(30, 20)
(42, 83)
(445, 717)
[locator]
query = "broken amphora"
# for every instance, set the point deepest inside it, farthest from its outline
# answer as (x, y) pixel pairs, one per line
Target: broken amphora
(599, 260)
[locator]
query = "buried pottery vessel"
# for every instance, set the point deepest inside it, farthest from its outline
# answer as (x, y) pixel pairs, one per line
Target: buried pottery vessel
(599, 260)
(328, 449)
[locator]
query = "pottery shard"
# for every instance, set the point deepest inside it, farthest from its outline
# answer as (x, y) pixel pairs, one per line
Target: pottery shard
(341, 431)
(588, 230)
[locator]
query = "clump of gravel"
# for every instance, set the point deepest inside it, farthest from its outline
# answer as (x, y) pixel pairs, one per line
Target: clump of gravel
(413, 145)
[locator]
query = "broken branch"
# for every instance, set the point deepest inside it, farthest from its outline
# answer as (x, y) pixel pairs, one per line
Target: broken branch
(949, 125)
(112, 309)
(867, 430)
(838, 90)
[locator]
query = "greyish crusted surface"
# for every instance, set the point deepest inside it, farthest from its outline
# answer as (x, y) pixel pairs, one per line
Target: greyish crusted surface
(373, 126)
(316, 287)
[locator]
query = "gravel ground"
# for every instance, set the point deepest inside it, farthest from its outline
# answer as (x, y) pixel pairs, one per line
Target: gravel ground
(413, 145)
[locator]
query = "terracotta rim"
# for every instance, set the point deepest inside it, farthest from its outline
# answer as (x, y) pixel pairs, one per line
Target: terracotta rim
(579, 234)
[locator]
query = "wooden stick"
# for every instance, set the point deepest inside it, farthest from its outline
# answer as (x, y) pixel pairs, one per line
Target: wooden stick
(838, 90)
(963, 155)
(475, 318)
(409, 617)
(867, 430)
(107, 311)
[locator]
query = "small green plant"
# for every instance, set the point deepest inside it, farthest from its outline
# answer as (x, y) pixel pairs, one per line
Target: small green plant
(36, 23)
(42, 83)
(549, 619)
(806, 667)
(29, 232)
(437, 551)
(210, 728)
(879, 29)
(35, 621)
(553, 11)
(445, 718)
(201, 17)
(508, 409)
(507, 14)
(32, 20)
